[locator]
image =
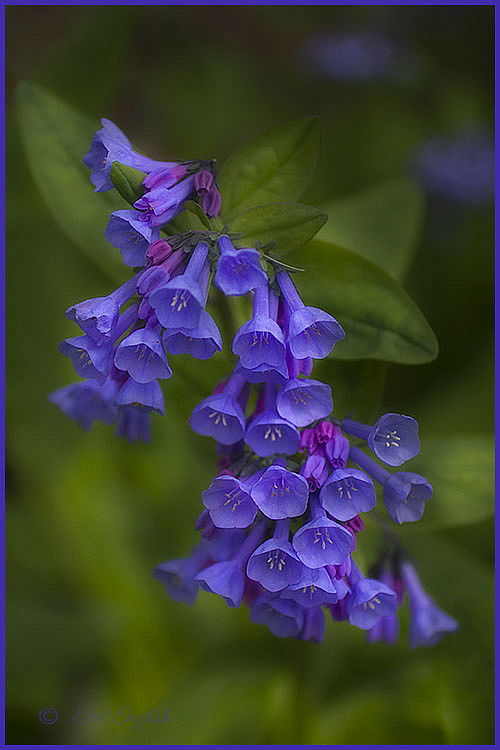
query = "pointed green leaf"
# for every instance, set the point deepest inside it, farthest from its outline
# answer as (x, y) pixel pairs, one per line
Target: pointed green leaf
(194, 208)
(275, 166)
(56, 137)
(382, 224)
(288, 225)
(381, 321)
(128, 181)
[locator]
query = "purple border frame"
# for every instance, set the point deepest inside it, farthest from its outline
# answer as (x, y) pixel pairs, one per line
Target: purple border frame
(2, 348)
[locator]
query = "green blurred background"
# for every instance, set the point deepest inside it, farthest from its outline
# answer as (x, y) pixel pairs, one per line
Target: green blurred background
(89, 516)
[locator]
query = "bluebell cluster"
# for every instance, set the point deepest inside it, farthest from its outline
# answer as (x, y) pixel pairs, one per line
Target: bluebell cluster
(281, 519)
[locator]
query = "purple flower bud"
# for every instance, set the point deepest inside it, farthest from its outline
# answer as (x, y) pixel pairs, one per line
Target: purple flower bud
(315, 471)
(308, 441)
(203, 180)
(165, 177)
(337, 449)
(346, 493)
(283, 617)
(161, 204)
(158, 251)
(211, 202)
(393, 438)
(238, 271)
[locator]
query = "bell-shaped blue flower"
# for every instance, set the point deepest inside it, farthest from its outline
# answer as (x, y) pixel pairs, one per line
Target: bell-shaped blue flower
(227, 579)
(260, 342)
(428, 623)
(110, 144)
(280, 493)
(322, 541)
(87, 401)
(369, 600)
(98, 317)
(264, 374)
(346, 493)
(302, 401)
(238, 271)
(314, 588)
(142, 355)
(405, 493)
(393, 438)
(269, 433)
(200, 342)
(144, 396)
(178, 576)
(134, 424)
(89, 359)
(229, 502)
(220, 416)
(274, 564)
(131, 236)
(283, 617)
(179, 302)
(311, 332)
(94, 360)
(387, 628)
(314, 625)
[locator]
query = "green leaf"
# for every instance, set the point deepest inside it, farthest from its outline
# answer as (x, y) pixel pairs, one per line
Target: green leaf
(194, 208)
(381, 321)
(356, 386)
(288, 225)
(461, 471)
(383, 224)
(275, 166)
(56, 137)
(128, 181)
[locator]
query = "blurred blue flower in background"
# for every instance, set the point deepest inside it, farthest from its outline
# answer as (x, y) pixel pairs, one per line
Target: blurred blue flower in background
(458, 168)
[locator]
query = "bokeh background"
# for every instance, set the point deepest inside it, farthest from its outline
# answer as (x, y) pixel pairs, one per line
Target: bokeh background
(403, 92)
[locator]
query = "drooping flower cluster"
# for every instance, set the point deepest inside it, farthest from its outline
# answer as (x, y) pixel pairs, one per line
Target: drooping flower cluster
(281, 518)
(122, 352)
